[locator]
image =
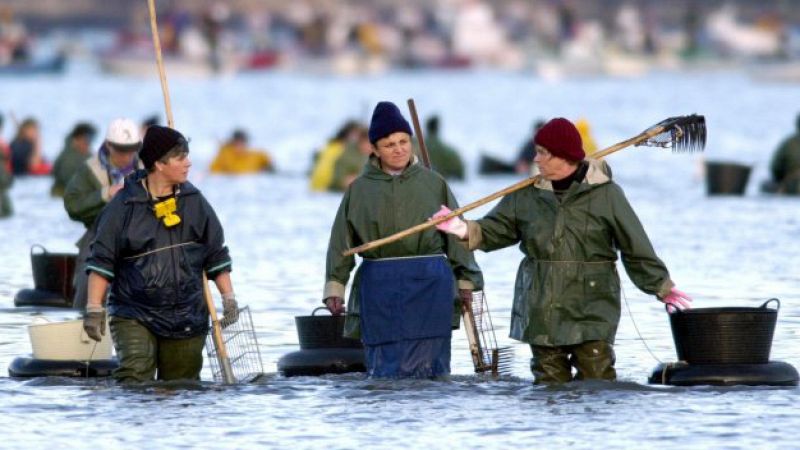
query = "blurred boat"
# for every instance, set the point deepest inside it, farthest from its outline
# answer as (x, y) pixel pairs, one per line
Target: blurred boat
(139, 64)
(144, 65)
(53, 65)
(784, 72)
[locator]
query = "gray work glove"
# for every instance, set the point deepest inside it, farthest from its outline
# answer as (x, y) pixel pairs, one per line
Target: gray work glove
(230, 309)
(94, 322)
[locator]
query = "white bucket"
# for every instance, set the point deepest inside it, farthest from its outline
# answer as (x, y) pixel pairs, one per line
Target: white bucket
(66, 341)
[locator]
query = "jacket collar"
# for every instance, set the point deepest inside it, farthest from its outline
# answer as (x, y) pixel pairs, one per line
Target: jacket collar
(135, 191)
(372, 169)
(598, 173)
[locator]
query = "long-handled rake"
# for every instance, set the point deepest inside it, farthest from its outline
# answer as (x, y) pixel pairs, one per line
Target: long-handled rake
(486, 356)
(681, 133)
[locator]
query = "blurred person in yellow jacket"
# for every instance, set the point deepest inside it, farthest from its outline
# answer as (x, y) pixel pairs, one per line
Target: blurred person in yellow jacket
(324, 165)
(585, 130)
(236, 158)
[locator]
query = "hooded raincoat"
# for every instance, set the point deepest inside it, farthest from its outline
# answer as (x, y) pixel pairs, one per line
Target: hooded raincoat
(567, 289)
(377, 205)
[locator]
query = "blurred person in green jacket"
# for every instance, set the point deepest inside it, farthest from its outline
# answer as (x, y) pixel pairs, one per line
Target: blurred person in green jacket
(570, 226)
(785, 165)
(94, 184)
(405, 295)
(444, 158)
(77, 149)
(351, 162)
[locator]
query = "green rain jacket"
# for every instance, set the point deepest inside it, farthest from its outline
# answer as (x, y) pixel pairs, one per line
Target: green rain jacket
(87, 192)
(785, 165)
(377, 205)
(349, 164)
(567, 289)
(67, 164)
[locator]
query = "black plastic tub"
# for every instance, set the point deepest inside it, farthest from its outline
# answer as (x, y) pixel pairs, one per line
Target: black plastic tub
(733, 335)
(53, 271)
(323, 331)
(724, 178)
(323, 348)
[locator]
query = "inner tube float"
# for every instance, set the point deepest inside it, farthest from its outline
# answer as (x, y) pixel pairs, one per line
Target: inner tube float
(29, 367)
(41, 297)
(323, 349)
(773, 373)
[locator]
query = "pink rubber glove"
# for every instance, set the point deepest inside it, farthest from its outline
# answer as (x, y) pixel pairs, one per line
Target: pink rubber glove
(677, 299)
(454, 225)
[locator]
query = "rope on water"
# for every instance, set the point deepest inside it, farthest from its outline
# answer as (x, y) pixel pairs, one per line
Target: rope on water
(636, 327)
(89, 361)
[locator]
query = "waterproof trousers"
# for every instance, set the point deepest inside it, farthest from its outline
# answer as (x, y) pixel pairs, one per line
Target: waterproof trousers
(142, 354)
(592, 360)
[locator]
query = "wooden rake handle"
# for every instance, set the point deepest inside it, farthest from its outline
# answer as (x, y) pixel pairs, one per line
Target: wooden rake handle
(432, 223)
(216, 333)
(641, 137)
(160, 62)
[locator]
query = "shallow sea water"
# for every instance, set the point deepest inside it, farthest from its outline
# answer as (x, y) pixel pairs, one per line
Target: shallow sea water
(724, 251)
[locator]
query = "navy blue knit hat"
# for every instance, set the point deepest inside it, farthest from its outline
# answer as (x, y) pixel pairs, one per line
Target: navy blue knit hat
(158, 141)
(386, 119)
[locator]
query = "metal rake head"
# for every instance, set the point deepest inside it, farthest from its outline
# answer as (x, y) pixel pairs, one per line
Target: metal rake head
(680, 133)
(502, 361)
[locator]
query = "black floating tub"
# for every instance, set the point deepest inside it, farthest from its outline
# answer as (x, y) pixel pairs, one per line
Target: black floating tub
(731, 335)
(323, 348)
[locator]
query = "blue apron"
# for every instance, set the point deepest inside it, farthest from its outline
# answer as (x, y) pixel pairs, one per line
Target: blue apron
(406, 307)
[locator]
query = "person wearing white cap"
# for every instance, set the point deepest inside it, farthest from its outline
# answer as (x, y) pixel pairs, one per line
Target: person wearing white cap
(95, 184)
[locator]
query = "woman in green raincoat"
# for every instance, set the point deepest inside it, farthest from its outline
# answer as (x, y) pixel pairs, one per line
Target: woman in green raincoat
(570, 226)
(402, 301)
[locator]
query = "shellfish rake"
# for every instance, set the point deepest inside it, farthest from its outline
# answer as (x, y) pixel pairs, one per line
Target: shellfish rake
(487, 357)
(244, 358)
(680, 133)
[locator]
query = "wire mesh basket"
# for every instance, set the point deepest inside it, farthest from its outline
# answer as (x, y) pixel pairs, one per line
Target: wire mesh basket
(486, 355)
(242, 350)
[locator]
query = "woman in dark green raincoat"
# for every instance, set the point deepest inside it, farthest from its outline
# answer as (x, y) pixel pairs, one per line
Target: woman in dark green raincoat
(402, 300)
(570, 226)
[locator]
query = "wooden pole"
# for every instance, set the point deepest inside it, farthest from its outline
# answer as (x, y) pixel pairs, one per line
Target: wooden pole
(418, 130)
(160, 62)
(219, 343)
(216, 329)
(641, 137)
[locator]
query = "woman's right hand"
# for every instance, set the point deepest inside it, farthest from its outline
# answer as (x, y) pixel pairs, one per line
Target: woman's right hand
(454, 225)
(335, 305)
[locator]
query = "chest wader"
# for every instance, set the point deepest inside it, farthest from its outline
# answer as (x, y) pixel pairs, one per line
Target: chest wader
(592, 360)
(406, 310)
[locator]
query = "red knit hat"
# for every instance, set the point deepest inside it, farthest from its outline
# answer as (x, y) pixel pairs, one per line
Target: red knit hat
(560, 137)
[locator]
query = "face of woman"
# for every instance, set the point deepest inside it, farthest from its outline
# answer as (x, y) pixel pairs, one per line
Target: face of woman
(176, 169)
(394, 151)
(550, 167)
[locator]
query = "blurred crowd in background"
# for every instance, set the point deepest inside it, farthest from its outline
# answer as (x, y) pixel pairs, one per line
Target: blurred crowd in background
(357, 36)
